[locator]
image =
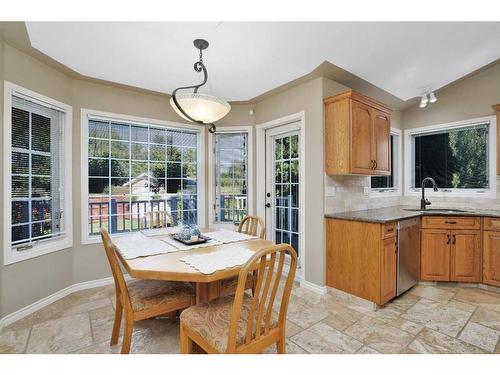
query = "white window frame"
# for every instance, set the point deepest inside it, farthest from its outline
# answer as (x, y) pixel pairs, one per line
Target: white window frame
(492, 157)
(12, 255)
(211, 172)
(109, 116)
(398, 167)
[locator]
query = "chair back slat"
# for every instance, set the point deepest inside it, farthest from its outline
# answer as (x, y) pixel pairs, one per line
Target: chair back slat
(269, 277)
(252, 225)
(255, 300)
(155, 219)
(264, 298)
(111, 254)
(274, 291)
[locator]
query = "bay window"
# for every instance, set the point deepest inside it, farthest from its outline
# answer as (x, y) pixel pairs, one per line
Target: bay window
(135, 168)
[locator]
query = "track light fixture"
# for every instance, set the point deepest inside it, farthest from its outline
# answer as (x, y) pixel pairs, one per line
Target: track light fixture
(427, 98)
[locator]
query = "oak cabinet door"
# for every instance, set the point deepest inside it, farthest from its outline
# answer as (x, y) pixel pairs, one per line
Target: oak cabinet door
(361, 139)
(465, 259)
(491, 258)
(388, 270)
(381, 146)
(435, 255)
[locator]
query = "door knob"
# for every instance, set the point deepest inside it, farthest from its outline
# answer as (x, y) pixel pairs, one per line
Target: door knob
(268, 205)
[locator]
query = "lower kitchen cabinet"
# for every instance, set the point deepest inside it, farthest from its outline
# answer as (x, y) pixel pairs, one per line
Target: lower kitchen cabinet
(435, 255)
(451, 255)
(491, 258)
(465, 260)
(361, 259)
(388, 267)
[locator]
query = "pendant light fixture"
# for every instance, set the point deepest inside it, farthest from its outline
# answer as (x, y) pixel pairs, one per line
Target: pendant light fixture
(197, 107)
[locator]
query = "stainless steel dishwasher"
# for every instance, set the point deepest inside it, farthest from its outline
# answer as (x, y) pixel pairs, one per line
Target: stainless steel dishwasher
(408, 260)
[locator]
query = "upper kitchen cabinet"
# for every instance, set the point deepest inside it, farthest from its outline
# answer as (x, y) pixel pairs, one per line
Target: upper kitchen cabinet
(357, 135)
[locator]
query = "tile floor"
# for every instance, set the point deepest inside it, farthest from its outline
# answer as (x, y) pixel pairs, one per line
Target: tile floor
(427, 319)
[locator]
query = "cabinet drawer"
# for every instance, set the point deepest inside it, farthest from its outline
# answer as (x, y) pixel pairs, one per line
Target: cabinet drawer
(389, 230)
(491, 223)
(451, 222)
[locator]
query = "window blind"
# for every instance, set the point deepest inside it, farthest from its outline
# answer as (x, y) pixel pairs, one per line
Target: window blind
(36, 178)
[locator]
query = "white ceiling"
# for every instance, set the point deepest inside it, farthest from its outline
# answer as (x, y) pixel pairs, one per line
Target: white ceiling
(246, 59)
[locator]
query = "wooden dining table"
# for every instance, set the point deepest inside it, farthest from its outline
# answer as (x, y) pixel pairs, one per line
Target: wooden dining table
(170, 267)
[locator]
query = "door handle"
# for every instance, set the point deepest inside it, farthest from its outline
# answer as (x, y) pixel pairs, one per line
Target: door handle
(448, 242)
(268, 205)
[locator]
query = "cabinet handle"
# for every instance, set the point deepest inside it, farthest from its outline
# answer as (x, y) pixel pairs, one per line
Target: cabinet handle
(448, 242)
(454, 240)
(375, 167)
(450, 222)
(390, 230)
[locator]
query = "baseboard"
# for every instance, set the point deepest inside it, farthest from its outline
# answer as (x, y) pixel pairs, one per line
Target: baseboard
(313, 287)
(25, 311)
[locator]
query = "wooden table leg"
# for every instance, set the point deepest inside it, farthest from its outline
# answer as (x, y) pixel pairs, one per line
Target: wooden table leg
(207, 291)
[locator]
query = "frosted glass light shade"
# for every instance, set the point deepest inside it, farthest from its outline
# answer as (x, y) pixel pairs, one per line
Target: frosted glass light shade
(201, 107)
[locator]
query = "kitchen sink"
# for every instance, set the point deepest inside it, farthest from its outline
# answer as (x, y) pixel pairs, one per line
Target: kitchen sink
(444, 210)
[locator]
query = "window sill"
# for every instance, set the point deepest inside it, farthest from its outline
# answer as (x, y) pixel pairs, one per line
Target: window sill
(429, 193)
(382, 193)
(12, 256)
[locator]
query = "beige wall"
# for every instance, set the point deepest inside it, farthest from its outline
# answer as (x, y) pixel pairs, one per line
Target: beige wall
(469, 98)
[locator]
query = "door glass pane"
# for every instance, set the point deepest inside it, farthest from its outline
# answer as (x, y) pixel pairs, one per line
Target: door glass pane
(286, 189)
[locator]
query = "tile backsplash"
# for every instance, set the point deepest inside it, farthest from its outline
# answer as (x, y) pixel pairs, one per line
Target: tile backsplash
(350, 195)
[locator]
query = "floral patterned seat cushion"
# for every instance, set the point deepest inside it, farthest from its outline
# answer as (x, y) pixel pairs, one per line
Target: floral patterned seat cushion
(211, 320)
(145, 294)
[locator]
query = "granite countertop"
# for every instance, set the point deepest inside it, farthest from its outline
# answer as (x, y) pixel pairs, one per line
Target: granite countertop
(395, 213)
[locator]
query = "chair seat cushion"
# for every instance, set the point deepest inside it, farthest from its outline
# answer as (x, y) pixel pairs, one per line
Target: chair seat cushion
(211, 321)
(145, 294)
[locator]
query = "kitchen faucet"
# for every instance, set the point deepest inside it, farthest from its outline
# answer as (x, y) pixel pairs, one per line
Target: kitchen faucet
(425, 202)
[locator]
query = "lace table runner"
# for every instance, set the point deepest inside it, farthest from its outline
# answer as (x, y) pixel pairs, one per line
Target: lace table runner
(218, 260)
(228, 236)
(138, 245)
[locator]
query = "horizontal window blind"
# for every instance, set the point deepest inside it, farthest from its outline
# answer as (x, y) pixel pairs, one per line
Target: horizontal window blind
(36, 173)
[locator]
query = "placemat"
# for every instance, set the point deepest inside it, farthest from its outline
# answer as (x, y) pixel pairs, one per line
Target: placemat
(218, 260)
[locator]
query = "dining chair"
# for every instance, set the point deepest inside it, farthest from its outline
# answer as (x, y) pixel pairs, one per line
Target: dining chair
(142, 299)
(244, 323)
(249, 225)
(155, 219)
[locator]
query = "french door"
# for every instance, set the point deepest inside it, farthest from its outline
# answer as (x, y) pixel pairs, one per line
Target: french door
(283, 184)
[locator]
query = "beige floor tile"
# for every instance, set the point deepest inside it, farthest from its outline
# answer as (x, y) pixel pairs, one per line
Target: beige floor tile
(481, 336)
(404, 302)
(323, 339)
(13, 340)
(290, 348)
(102, 320)
(63, 335)
(438, 316)
(305, 314)
(407, 326)
(386, 313)
(379, 336)
(432, 292)
(486, 317)
(367, 350)
(292, 329)
(462, 306)
(479, 297)
(432, 342)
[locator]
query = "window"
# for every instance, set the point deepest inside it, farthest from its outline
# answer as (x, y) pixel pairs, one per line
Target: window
(135, 168)
(459, 157)
(390, 185)
(37, 137)
(231, 176)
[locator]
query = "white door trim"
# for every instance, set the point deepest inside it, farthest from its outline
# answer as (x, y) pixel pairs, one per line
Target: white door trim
(260, 176)
(211, 170)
